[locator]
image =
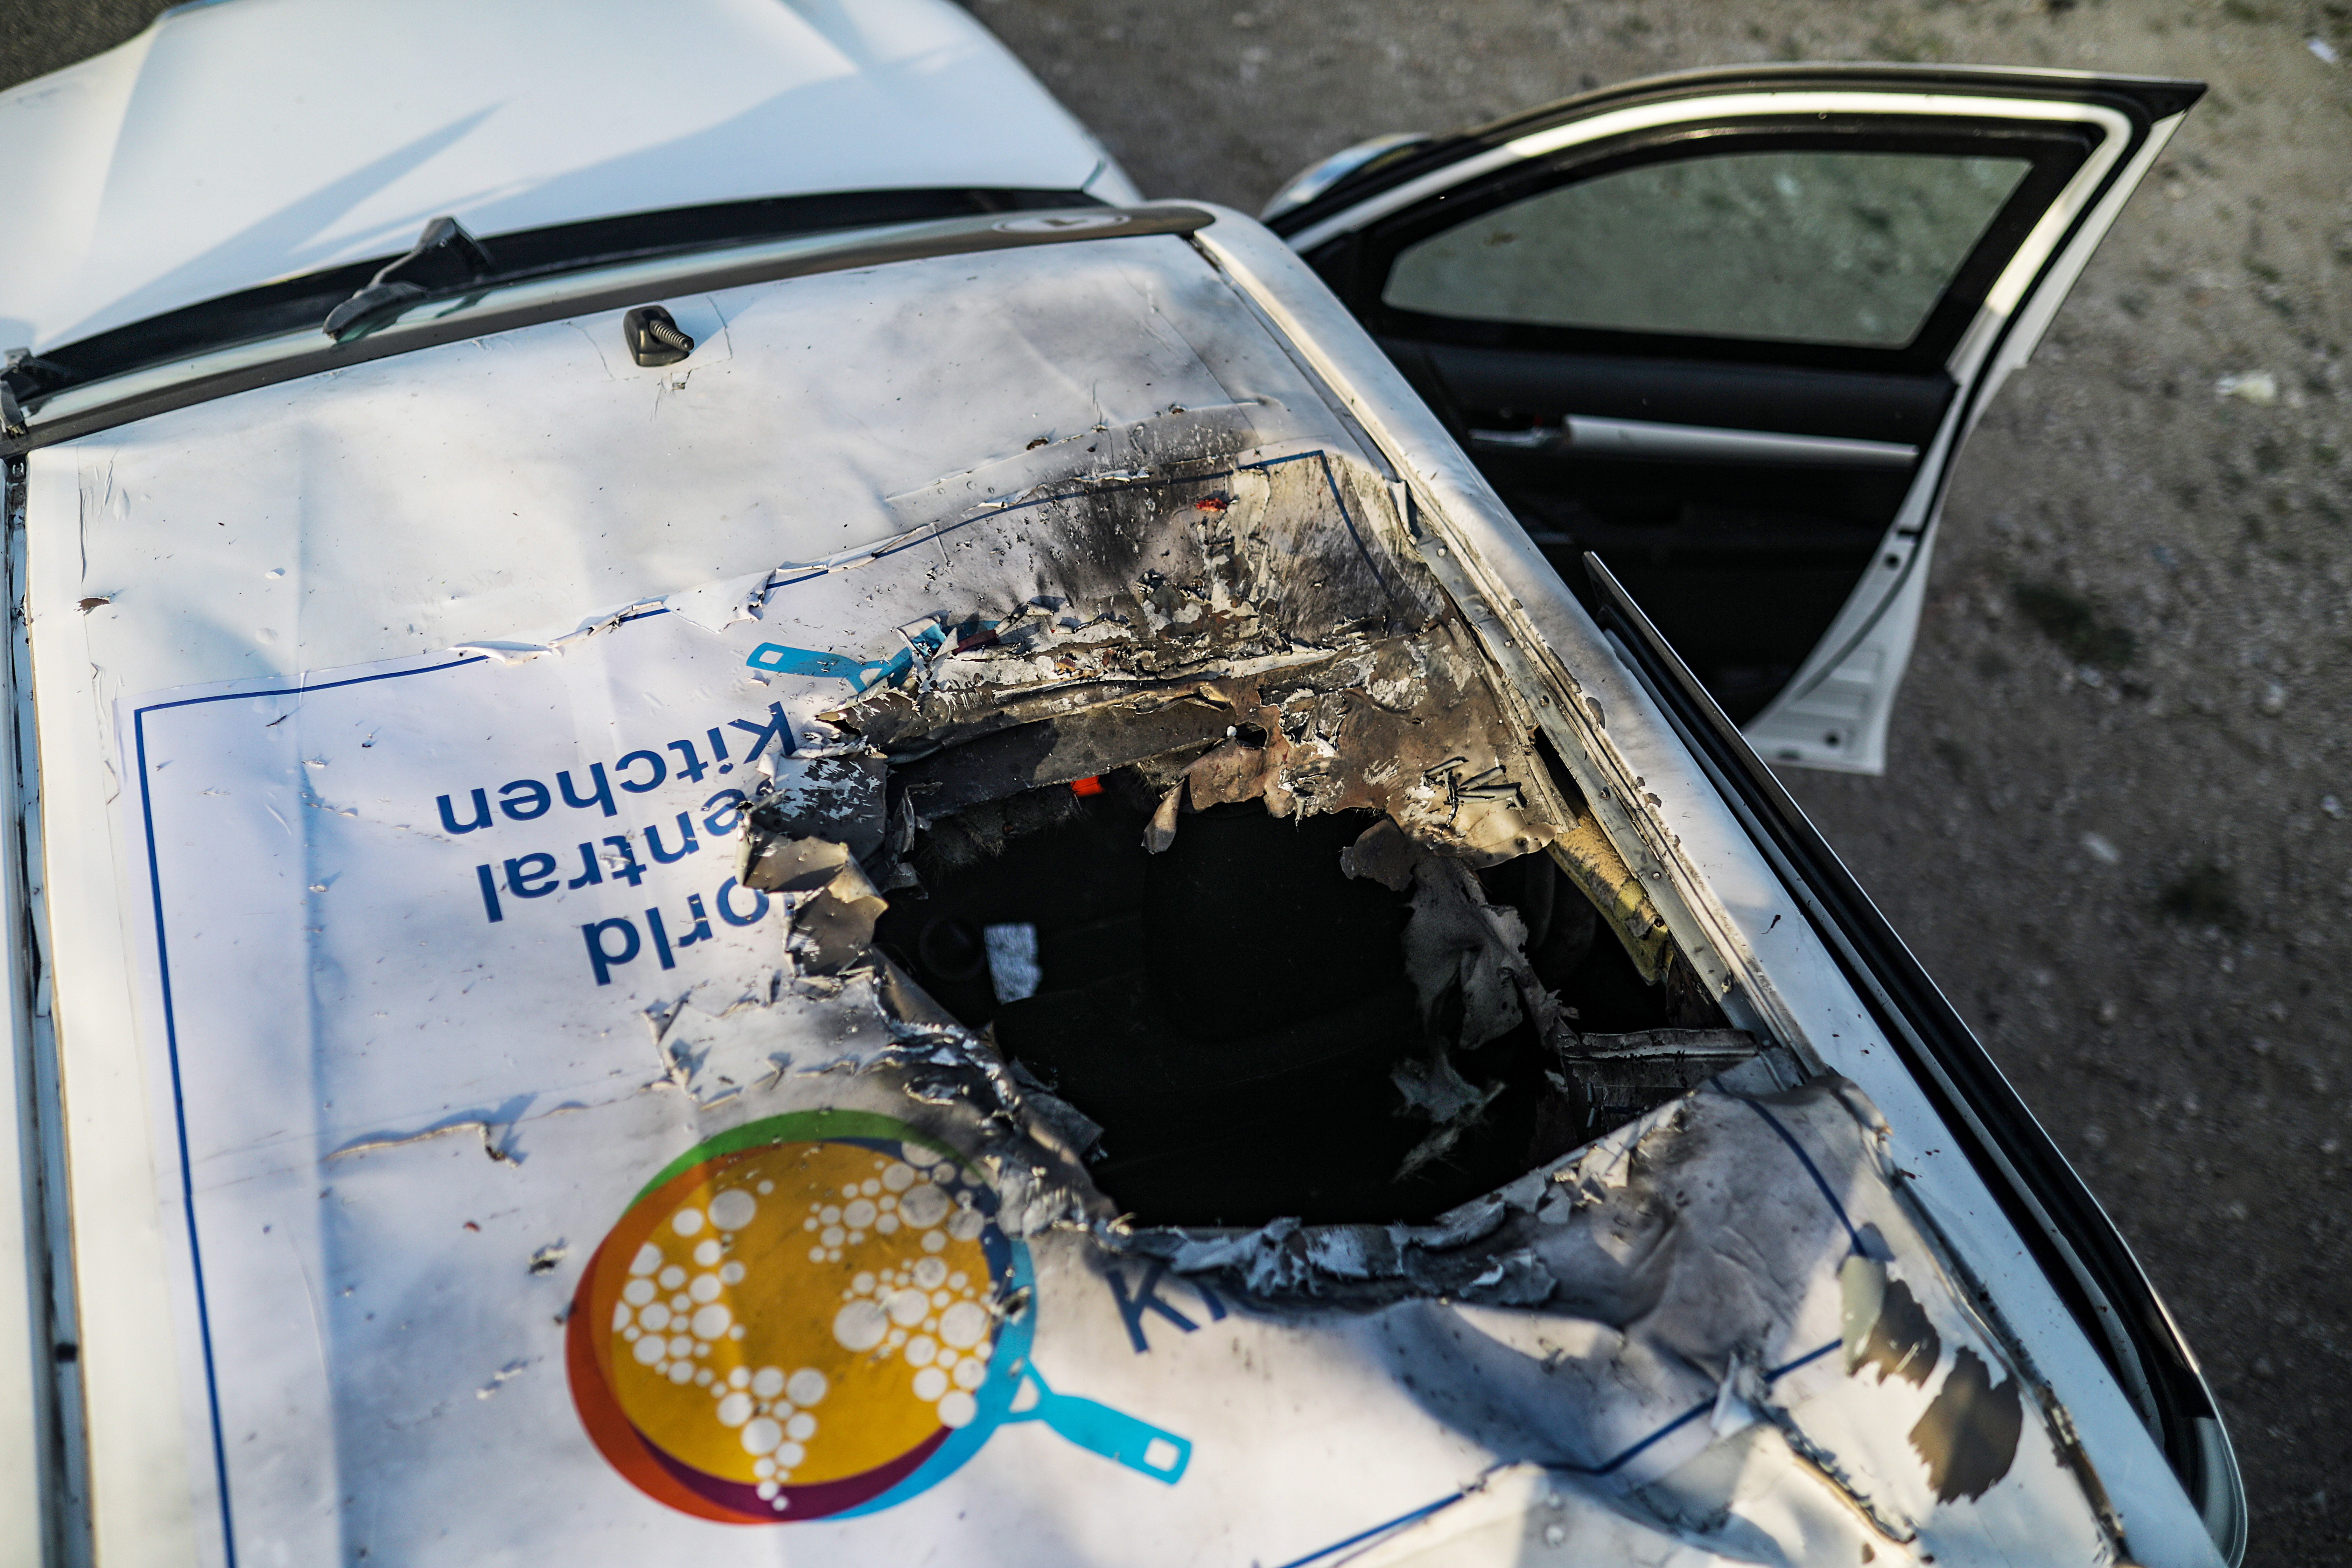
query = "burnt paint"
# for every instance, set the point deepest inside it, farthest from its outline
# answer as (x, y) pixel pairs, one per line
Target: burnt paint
(1902, 1344)
(1969, 1435)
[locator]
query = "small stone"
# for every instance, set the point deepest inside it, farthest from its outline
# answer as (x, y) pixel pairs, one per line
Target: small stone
(2331, 805)
(2106, 854)
(2274, 699)
(2259, 388)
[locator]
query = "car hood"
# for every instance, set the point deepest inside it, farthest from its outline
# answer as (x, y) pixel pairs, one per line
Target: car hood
(239, 142)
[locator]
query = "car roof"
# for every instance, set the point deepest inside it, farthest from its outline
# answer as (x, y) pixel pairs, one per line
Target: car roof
(891, 396)
(239, 142)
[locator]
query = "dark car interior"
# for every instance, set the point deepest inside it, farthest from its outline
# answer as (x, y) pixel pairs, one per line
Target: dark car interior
(1717, 361)
(1233, 1011)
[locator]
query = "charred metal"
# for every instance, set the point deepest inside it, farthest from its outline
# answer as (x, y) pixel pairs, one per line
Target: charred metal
(1236, 857)
(1206, 865)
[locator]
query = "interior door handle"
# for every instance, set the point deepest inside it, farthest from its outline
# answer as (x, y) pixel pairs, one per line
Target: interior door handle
(1696, 443)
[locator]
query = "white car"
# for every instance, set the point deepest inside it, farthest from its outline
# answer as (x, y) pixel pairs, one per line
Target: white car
(753, 825)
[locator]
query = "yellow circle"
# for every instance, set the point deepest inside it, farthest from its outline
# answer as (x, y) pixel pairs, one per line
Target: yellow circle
(804, 1314)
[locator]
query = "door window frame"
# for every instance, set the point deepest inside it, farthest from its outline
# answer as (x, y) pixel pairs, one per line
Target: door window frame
(2055, 149)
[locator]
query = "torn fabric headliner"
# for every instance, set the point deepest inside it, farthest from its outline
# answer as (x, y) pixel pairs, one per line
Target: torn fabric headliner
(504, 497)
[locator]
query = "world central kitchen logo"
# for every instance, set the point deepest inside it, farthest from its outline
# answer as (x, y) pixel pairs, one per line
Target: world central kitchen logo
(817, 1315)
(511, 884)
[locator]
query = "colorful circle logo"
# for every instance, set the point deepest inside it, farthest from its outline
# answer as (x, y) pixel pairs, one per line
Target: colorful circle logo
(795, 1320)
(815, 1316)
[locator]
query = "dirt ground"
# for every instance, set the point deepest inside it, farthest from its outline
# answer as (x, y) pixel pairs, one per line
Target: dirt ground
(2115, 822)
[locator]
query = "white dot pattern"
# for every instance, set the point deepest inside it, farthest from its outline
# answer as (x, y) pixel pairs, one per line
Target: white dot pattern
(938, 1324)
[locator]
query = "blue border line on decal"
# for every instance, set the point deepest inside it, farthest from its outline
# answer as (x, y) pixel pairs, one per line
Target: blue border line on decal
(938, 531)
(1347, 517)
(172, 1036)
(1771, 1375)
(1837, 1208)
(163, 946)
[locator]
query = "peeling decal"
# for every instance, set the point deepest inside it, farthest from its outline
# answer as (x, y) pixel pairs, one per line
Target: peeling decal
(778, 659)
(1886, 1327)
(1969, 1435)
(922, 640)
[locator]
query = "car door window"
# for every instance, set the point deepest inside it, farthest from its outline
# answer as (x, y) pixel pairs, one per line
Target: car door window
(1712, 328)
(1715, 359)
(1792, 244)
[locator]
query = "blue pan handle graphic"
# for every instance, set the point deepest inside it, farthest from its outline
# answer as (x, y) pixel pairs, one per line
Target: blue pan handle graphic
(1113, 1434)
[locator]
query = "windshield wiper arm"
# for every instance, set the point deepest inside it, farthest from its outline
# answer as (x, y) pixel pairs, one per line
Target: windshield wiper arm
(445, 257)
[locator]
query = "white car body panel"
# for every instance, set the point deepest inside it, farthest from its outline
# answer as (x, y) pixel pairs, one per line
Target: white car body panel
(240, 141)
(517, 488)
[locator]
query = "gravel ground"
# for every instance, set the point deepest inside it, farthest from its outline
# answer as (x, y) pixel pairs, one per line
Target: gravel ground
(2112, 822)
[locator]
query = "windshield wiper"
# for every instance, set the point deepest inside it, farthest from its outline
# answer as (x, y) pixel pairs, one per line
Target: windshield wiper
(177, 353)
(443, 257)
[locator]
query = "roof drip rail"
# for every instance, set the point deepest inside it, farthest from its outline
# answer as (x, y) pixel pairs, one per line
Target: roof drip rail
(397, 287)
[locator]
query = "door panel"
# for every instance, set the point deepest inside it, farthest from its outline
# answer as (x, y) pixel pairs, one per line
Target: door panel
(1725, 329)
(1866, 405)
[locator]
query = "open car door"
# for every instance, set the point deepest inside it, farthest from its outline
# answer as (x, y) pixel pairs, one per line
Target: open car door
(1729, 330)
